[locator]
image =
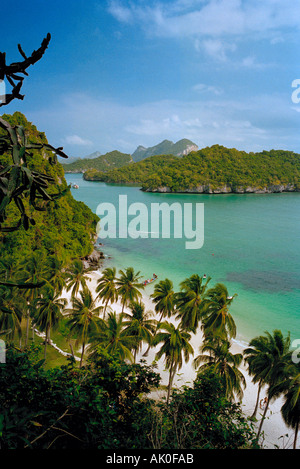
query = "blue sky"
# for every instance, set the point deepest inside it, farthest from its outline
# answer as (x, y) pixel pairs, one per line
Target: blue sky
(118, 74)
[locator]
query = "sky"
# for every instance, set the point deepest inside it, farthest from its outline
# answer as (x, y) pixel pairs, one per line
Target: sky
(119, 74)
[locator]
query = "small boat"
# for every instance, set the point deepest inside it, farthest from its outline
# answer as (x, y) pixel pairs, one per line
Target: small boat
(75, 186)
(150, 280)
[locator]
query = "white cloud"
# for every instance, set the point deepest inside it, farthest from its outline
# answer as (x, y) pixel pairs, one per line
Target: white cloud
(76, 140)
(251, 124)
(203, 88)
(216, 27)
(121, 13)
(217, 49)
(211, 17)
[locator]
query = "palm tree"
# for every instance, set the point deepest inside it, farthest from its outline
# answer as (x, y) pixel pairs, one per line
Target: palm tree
(223, 363)
(175, 347)
(275, 353)
(12, 306)
(139, 324)
(56, 273)
(164, 299)
(128, 286)
(32, 270)
(113, 338)
(49, 312)
(218, 321)
(83, 318)
(8, 268)
(255, 358)
(76, 276)
(190, 302)
(106, 287)
(290, 388)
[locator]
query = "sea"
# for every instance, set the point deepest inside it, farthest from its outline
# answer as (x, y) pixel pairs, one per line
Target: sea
(251, 243)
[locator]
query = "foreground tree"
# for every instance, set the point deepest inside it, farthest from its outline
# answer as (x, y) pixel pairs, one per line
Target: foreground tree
(274, 352)
(256, 357)
(190, 302)
(199, 417)
(106, 287)
(32, 271)
(56, 273)
(175, 347)
(164, 299)
(129, 286)
(12, 308)
(77, 276)
(139, 324)
(113, 338)
(218, 321)
(83, 319)
(224, 363)
(49, 312)
(290, 389)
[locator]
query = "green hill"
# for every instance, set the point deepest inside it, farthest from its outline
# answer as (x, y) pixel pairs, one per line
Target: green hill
(166, 147)
(67, 227)
(213, 169)
(111, 160)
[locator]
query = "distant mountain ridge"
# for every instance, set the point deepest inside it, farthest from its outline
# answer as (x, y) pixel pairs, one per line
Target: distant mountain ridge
(111, 160)
(212, 170)
(116, 159)
(166, 147)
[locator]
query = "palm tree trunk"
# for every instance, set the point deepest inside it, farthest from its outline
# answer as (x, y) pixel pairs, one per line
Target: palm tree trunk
(72, 351)
(257, 401)
(27, 330)
(149, 346)
(82, 353)
(296, 434)
(263, 418)
(46, 341)
(171, 377)
(105, 308)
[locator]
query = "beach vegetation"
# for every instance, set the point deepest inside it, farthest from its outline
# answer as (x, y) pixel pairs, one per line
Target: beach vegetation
(216, 355)
(107, 288)
(271, 364)
(83, 318)
(175, 348)
(139, 324)
(129, 286)
(190, 301)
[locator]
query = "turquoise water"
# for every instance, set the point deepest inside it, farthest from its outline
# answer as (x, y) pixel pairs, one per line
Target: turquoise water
(251, 243)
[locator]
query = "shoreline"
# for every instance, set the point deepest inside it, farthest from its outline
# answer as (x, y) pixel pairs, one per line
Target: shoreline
(274, 428)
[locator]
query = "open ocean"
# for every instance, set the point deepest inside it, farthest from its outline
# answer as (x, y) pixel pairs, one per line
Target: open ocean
(251, 244)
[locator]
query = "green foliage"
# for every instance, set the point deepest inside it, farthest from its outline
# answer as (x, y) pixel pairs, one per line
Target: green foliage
(201, 417)
(65, 227)
(213, 168)
(96, 407)
(109, 161)
(105, 406)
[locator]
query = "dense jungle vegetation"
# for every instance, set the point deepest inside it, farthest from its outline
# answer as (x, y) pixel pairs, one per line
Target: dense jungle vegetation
(212, 167)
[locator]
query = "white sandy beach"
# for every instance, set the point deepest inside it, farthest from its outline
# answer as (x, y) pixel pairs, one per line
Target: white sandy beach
(275, 431)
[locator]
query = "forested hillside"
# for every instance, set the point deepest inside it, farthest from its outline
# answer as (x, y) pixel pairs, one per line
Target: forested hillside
(66, 228)
(111, 160)
(213, 169)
